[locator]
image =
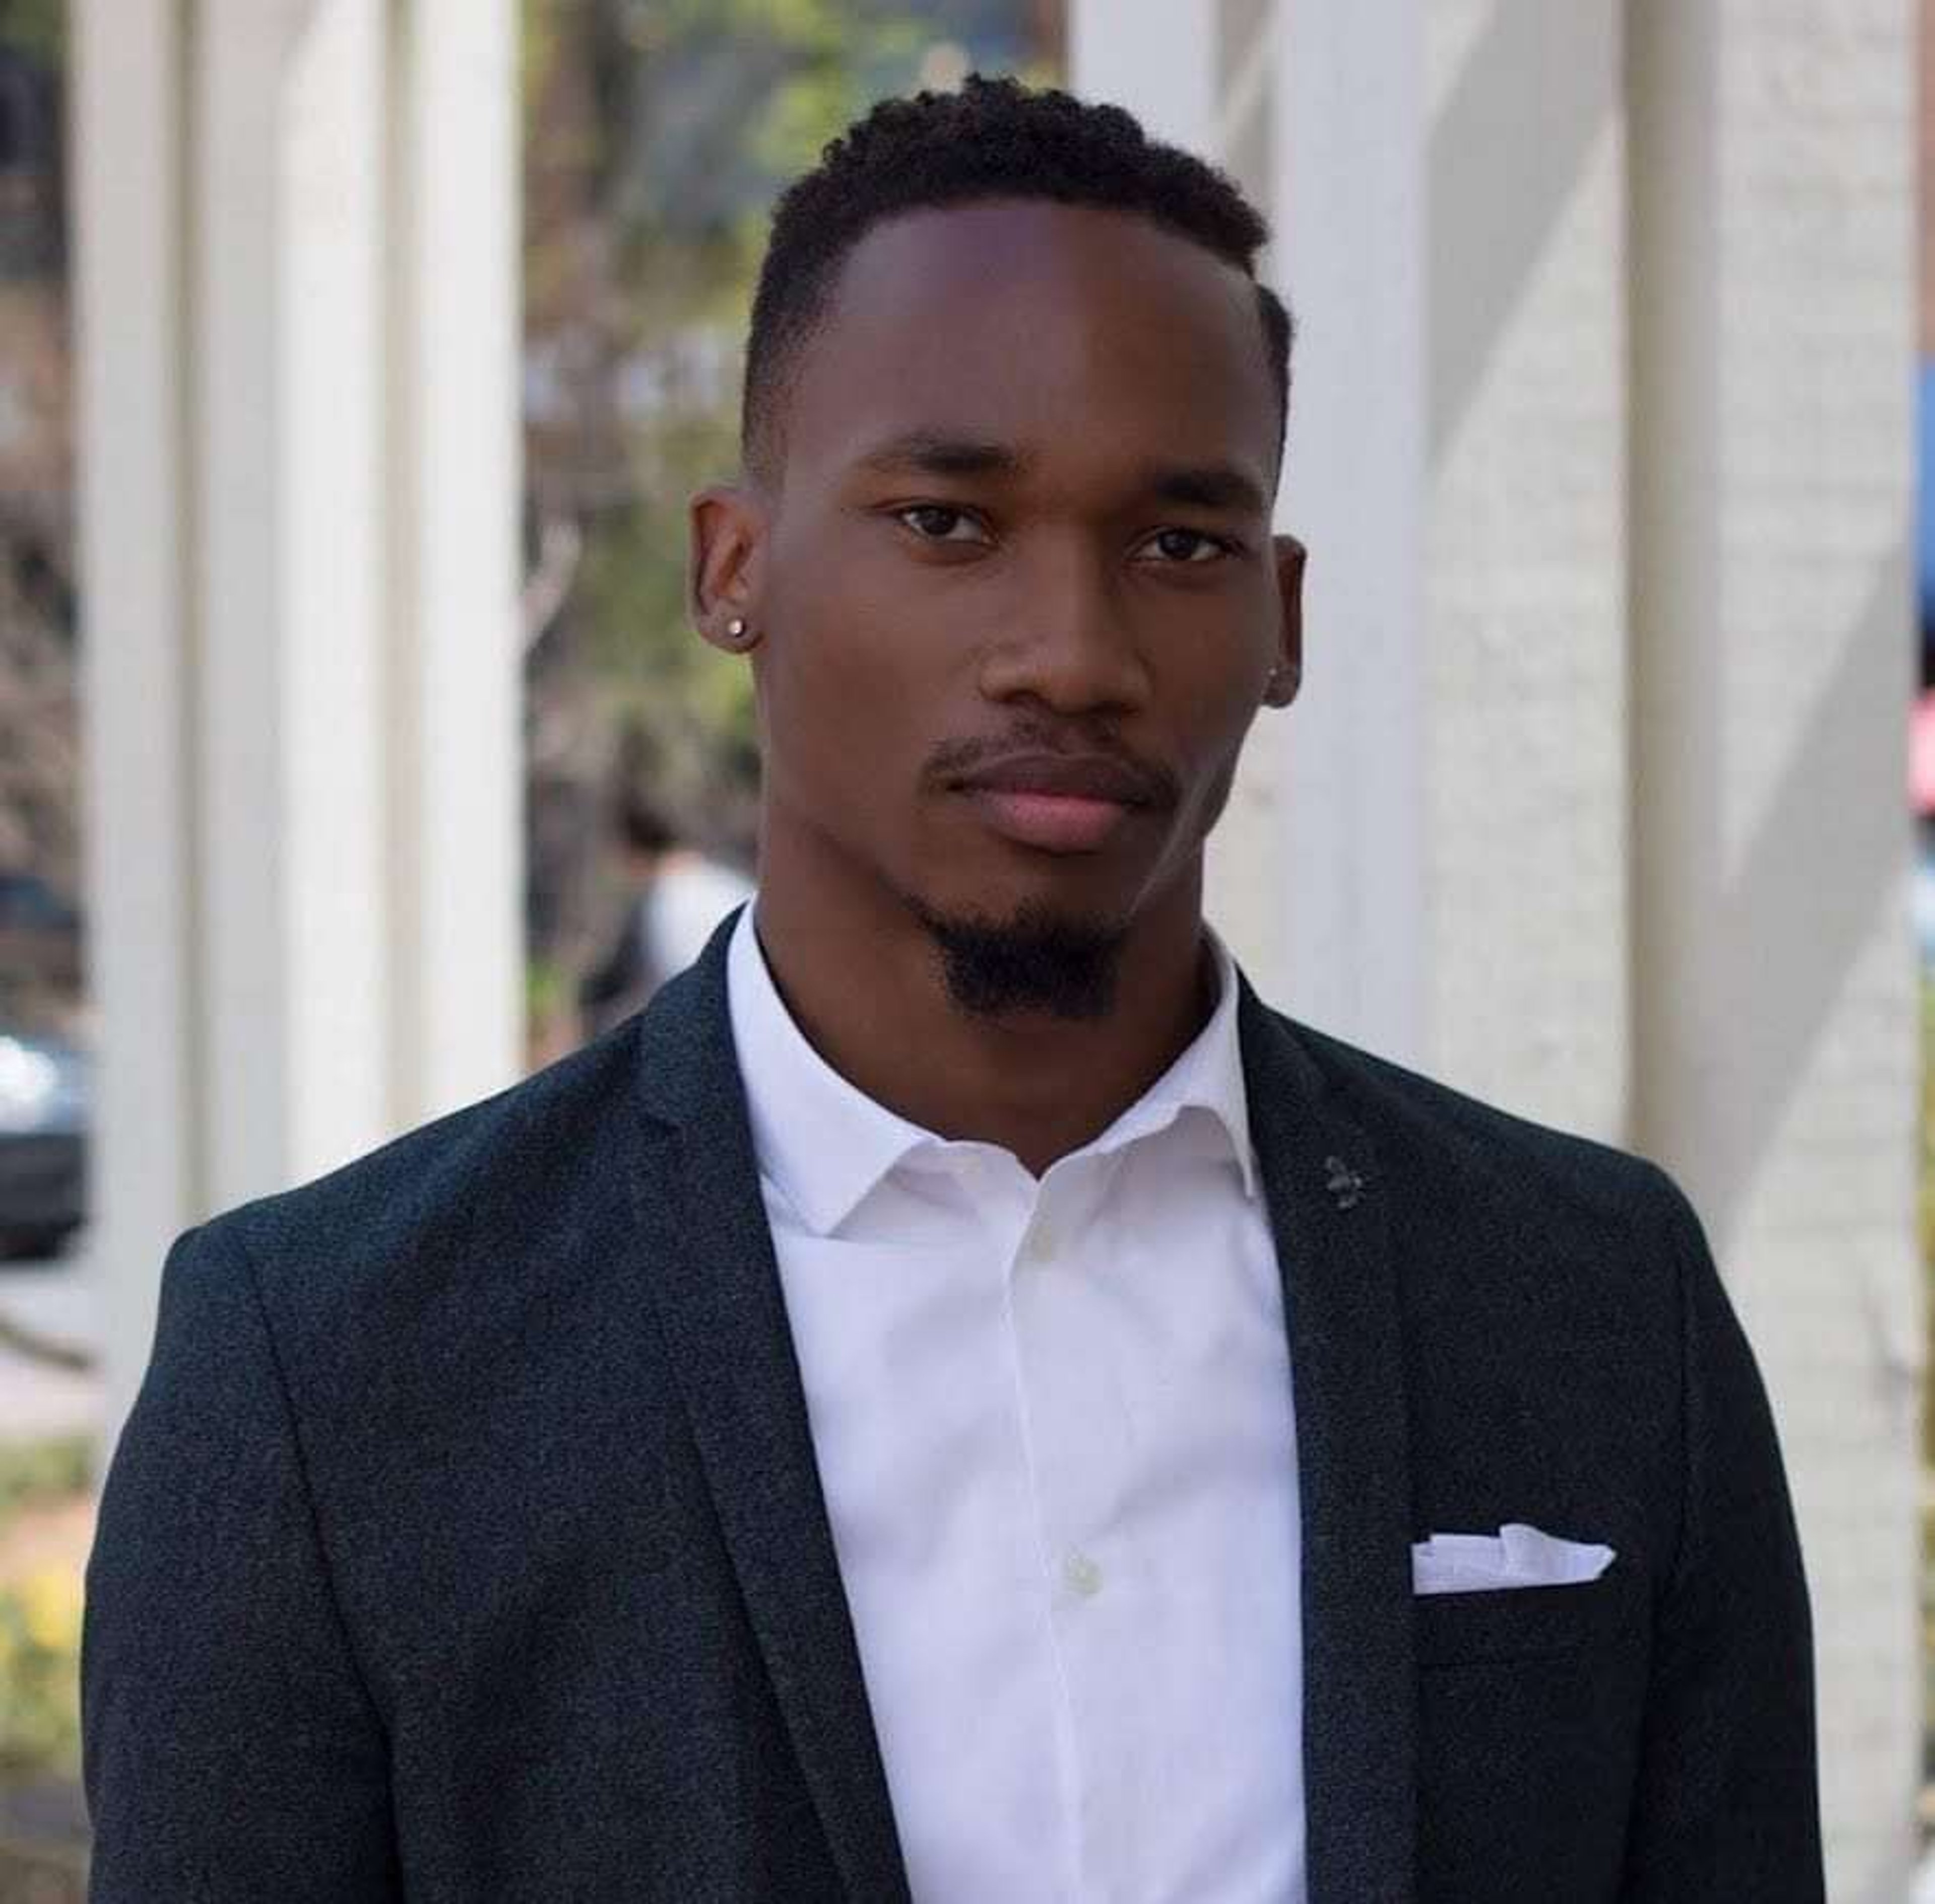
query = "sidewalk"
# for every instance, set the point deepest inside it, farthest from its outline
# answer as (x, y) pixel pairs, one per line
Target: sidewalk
(59, 1302)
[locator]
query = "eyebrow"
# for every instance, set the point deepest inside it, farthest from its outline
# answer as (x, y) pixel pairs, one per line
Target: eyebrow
(932, 453)
(1209, 485)
(935, 453)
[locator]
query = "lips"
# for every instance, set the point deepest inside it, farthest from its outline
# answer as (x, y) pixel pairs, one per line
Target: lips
(1081, 776)
(1055, 823)
(1061, 803)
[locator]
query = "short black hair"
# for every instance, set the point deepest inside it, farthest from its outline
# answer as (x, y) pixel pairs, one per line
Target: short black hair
(996, 138)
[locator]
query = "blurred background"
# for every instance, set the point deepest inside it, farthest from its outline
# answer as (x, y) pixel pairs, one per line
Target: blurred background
(357, 357)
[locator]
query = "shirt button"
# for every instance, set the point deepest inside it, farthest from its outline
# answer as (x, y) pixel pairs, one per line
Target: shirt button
(1082, 1576)
(1041, 1243)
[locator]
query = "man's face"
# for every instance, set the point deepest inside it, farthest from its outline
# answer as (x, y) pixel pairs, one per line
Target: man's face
(1014, 583)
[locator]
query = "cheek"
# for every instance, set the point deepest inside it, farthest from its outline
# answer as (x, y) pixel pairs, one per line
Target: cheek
(1209, 710)
(842, 686)
(1207, 714)
(1215, 795)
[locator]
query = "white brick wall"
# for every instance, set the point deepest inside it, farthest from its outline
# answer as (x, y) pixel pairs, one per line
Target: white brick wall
(1525, 646)
(1723, 937)
(1658, 682)
(1774, 321)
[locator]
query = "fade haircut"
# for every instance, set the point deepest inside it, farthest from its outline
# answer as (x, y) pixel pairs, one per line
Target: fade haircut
(993, 139)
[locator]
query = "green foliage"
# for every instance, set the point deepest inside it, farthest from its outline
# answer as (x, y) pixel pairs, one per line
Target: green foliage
(39, 1669)
(33, 1473)
(547, 990)
(658, 135)
(37, 28)
(39, 1617)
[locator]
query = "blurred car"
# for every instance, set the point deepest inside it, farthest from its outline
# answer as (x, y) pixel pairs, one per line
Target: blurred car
(44, 1096)
(39, 935)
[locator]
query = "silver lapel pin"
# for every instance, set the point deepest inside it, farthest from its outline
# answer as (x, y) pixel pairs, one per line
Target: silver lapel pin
(1344, 1183)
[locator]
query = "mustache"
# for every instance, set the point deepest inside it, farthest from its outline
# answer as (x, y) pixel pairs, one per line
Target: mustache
(1150, 784)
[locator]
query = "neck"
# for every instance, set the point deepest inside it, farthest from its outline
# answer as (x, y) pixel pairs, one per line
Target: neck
(864, 985)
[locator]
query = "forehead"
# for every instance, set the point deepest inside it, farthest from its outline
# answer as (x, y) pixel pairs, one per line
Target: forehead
(1080, 335)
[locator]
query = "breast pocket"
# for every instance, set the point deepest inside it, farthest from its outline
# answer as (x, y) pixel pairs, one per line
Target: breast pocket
(1452, 1629)
(1530, 1701)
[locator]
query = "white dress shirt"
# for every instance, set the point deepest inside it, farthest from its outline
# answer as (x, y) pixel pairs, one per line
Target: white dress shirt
(1053, 1424)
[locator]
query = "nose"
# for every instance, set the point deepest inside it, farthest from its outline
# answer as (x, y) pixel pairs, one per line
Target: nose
(1069, 644)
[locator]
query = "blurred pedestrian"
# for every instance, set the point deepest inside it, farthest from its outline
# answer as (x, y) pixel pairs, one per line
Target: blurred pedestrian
(676, 895)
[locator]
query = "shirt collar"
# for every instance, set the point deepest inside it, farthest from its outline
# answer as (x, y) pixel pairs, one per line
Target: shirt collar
(825, 1143)
(1208, 1076)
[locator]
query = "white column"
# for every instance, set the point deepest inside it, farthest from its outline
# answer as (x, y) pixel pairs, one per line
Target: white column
(286, 394)
(1315, 874)
(456, 727)
(1243, 883)
(135, 527)
(1525, 667)
(1774, 1008)
(1350, 213)
(1157, 58)
(1198, 74)
(297, 291)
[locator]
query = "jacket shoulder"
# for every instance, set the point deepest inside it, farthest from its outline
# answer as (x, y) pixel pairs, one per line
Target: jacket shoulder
(470, 1187)
(1441, 1140)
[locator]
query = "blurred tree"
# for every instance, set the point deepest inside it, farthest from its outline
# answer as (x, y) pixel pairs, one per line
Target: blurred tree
(40, 714)
(35, 28)
(658, 134)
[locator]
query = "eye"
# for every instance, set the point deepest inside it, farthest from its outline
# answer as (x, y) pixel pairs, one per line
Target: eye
(1192, 547)
(935, 522)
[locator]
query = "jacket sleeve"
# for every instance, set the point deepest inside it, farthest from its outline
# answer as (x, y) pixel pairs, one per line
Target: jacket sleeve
(229, 1749)
(1726, 1804)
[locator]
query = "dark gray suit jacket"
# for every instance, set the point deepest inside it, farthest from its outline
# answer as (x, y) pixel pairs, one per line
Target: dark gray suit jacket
(466, 1542)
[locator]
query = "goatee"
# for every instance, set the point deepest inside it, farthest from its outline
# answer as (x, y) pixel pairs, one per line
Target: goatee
(1034, 960)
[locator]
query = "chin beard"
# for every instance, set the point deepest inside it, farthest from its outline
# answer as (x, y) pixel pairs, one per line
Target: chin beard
(1033, 961)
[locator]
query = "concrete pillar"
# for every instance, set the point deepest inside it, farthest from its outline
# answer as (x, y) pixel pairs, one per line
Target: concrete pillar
(456, 690)
(1203, 75)
(1524, 666)
(1774, 1010)
(130, 288)
(285, 441)
(1315, 874)
(297, 318)
(1244, 887)
(1349, 208)
(1157, 58)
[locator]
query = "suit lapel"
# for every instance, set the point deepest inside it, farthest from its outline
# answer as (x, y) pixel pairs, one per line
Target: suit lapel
(717, 1288)
(1328, 1210)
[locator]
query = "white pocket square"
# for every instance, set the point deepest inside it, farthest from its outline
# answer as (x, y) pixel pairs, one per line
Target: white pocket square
(1516, 1556)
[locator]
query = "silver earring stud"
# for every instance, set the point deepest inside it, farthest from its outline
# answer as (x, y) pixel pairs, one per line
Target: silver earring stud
(735, 628)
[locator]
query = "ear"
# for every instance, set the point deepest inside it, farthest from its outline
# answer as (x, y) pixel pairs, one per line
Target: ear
(1287, 675)
(722, 576)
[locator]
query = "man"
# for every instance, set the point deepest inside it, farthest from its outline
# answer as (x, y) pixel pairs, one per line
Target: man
(959, 1399)
(678, 895)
